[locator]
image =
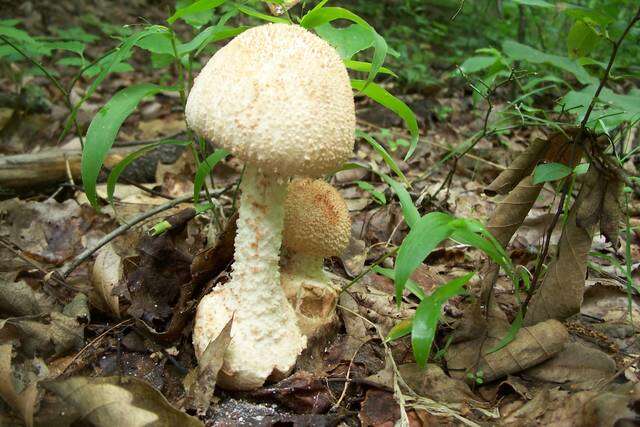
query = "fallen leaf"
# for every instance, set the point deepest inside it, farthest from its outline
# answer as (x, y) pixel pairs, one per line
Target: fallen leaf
(200, 382)
(107, 273)
(18, 299)
(119, 401)
(22, 401)
(379, 409)
(433, 383)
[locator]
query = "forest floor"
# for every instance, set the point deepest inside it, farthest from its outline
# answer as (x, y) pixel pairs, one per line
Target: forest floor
(126, 311)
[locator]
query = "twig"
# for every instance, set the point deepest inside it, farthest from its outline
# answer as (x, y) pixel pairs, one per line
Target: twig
(68, 268)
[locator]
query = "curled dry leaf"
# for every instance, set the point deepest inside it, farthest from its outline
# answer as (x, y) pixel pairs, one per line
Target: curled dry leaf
(200, 382)
(433, 383)
(61, 334)
(589, 206)
(23, 401)
(119, 401)
(531, 346)
(18, 299)
(521, 166)
(560, 295)
(107, 273)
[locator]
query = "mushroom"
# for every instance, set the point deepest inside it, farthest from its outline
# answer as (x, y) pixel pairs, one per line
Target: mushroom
(279, 98)
(316, 226)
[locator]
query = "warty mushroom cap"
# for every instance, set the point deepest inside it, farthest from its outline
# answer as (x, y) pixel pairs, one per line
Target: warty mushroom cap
(316, 219)
(278, 97)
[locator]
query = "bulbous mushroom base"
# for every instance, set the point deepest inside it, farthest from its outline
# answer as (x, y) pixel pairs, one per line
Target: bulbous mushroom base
(265, 338)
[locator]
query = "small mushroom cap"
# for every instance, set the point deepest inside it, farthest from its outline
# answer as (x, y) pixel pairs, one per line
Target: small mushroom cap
(278, 97)
(316, 219)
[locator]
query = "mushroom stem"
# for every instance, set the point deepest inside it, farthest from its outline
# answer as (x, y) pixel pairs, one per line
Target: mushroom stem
(304, 265)
(265, 337)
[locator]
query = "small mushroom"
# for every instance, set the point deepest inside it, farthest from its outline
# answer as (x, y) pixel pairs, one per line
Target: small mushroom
(316, 226)
(279, 98)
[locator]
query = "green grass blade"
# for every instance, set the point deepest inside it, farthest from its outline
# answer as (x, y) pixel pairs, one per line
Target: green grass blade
(384, 98)
(203, 170)
(383, 153)
(409, 210)
(103, 130)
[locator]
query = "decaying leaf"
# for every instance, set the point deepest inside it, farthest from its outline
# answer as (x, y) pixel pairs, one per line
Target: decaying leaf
(200, 382)
(18, 299)
(531, 346)
(354, 257)
(589, 205)
(22, 401)
(379, 409)
(513, 209)
(106, 274)
(302, 392)
(521, 166)
(612, 211)
(433, 383)
(119, 401)
(61, 334)
(581, 366)
(560, 294)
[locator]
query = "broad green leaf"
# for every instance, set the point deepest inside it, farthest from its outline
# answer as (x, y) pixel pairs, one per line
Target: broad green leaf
(323, 15)
(103, 130)
(384, 98)
(157, 43)
(411, 286)
(349, 40)
(383, 153)
(581, 40)
(581, 169)
(13, 33)
(365, 67)
(521, 52)
(70, 46)
(194, 9)
(427, 233)
(478, 63)
(204, 168)
(538, 3)
(9, 22)
(259, 15)
(378, 196)
(209, 35)
(550, 172)
(76, 33)
(425, 320)
(409, 210)
(117, 170)
(195, 19)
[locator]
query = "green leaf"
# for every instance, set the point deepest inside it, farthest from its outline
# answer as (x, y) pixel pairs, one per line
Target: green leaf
(103, 130)
(117, 170)
(550, 172)
(521, 52)
(349, 40)
(157, 43)
(409, 210)
(259, 15)
(383, 153)
(322, 15)
(427, 233)
(194, 8)
(478, 63)
(15, 34)
(538, 3)
(581, 40)
(196, 19)
(399, 330)
(209, 35)
(378, 196)
(203, 170)
(384, 98)
(71, 46)
(365, 67)
(425, 321)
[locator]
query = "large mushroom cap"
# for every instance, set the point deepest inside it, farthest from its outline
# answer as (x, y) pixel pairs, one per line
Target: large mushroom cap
(316, 219)
(279, 97)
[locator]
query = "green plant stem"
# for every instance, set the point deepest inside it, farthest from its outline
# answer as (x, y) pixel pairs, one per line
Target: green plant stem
(367, 270)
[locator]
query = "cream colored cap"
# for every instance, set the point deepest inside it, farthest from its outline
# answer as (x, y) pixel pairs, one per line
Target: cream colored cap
(316, 219)
(278, 97)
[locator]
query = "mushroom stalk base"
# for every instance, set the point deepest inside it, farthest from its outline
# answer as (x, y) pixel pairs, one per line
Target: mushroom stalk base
(266, 340)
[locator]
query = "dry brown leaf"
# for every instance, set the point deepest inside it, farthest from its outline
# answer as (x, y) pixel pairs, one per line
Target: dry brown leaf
(560, 294)
(18, 299)
(119, 401)
(24, 401)
(576, 364)
(200, 382)
(106, 275)
(433, 383)
(60, 335)
(612, 211)
(521, 166)
(589, 205)
(531, 346)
